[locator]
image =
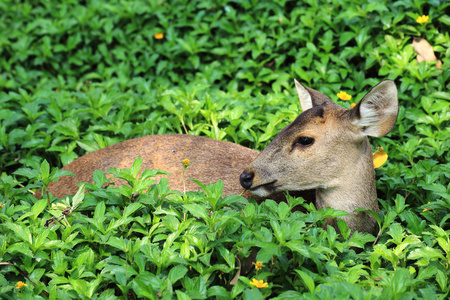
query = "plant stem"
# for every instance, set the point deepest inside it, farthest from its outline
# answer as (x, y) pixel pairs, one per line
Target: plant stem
(48, 199)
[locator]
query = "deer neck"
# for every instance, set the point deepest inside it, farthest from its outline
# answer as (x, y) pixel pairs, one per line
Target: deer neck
(354, 188)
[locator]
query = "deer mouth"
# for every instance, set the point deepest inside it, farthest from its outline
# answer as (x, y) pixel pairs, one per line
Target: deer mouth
(265, 189)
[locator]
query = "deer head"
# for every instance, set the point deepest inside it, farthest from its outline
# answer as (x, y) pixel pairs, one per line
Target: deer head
(326, 148)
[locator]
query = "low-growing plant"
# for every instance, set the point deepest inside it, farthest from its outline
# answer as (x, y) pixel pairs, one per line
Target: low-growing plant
(78, 77)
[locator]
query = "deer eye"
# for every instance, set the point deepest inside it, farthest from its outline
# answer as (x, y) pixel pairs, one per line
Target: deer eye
(304, 141)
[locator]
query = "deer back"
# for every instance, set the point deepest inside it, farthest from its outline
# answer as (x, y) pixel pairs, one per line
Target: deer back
(211, 161)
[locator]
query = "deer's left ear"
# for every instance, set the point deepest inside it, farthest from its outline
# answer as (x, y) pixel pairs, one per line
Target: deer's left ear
(304, 96)
(310, 98)
(377, 112)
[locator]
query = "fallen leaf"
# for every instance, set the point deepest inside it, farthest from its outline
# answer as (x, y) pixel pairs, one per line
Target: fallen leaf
(425, 51)
(238, 272)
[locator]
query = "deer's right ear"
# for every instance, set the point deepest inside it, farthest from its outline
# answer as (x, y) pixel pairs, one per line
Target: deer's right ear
(304, 95)
(377, 112)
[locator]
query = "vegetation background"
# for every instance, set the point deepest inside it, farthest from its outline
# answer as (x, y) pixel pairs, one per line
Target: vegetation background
(79, 76)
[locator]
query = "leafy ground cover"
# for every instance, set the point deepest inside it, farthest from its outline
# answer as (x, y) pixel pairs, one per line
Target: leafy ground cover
(77, 77)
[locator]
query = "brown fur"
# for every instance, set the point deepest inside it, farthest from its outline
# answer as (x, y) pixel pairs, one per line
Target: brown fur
(211, 160)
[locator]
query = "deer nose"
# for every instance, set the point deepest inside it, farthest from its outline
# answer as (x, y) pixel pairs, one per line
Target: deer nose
(246, 180)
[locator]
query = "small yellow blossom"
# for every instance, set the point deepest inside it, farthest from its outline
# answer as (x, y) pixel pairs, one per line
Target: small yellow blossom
(344, 96)
(427, 208)
(422, 19)
(159, 35)
(379, 158)
(352, 105)
(258, 265)
(1, 205)
(20, 284)
(259, 283)
(185, 161)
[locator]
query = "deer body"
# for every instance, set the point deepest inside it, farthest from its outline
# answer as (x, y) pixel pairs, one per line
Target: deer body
(211, 161)
(325, 149)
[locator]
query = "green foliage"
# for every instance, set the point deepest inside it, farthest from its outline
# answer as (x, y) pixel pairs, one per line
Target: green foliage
(75, 78)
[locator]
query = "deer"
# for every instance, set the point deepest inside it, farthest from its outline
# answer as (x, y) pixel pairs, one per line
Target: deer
(325, 150)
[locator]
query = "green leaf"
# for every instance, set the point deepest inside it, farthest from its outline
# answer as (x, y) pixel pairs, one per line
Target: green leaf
(80, 286)
(142, 286)
(427, 253)
(252, 294)
(343, 228)
(21, 231)
(29, 173)
(218, 292)
(300, 247)
(267, 251)
(227, 256)
(442, 280)
(78, 198)
(131, 209)
(118, 243)
(99, 178)
(45, 169)
(307, 280)
(38, 207)
(197, 210)
(277, 231)
(176, 273)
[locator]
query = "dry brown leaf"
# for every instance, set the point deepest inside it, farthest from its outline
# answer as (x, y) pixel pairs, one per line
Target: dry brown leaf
(425, 51)
(238, 273)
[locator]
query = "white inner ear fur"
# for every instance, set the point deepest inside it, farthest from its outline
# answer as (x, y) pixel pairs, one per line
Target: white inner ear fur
(305, 97)
(378, 108)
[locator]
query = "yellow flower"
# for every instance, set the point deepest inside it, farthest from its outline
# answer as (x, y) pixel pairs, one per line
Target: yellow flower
(159, 35)
(379, 158)
(352, 105)
(20, 284)
(258, 265)
(344, 96)
(185, 161)
(422, 19)
(426, 208)
(259, 283)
